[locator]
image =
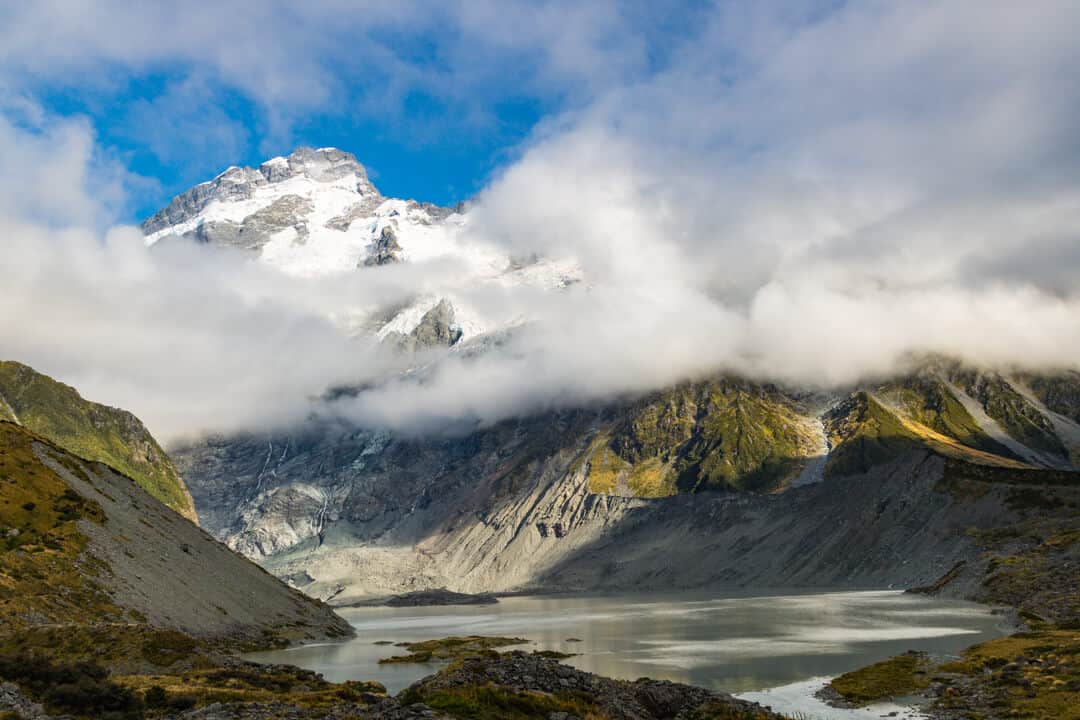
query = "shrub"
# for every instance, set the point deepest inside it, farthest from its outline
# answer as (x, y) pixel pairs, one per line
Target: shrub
(81, 689)
(155, 697)
(180, 703)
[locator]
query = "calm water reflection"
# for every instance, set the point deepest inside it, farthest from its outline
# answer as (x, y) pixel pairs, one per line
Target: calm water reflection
(727, 643)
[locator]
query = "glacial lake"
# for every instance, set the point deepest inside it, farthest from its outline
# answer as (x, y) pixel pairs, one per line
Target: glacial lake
(730, 643)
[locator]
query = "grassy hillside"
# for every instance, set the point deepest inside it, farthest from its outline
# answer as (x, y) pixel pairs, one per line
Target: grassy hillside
(44, 574)
(96, 432)
(113, 606)
(933, 406)
(864, 432)
(731, 434)
(926, 399)
(81, 544)
(720, 434)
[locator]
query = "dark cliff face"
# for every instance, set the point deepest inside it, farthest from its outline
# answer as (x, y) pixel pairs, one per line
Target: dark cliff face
(377, 484)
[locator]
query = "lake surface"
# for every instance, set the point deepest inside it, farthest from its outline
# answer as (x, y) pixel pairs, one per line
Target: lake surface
(730, 643)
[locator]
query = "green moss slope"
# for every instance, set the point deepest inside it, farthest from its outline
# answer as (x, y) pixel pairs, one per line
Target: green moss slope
(892, 678)
(115, 437)
(732, 434)
(719, 434)
(864, 433)
(926, 399)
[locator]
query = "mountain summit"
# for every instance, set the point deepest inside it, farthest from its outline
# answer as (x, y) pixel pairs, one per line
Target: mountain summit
(325, 165)
(312, 212)
(315, 213)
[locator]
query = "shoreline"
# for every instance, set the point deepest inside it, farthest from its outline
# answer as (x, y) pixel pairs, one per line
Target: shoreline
(800, 700)
(996, 624)
(706, 593)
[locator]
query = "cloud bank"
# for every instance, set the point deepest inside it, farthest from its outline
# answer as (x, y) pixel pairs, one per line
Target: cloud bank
(799, 193)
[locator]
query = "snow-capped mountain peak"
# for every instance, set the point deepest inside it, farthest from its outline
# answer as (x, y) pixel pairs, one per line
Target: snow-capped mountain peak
(315, 213)
(310, 198)
(322, 165)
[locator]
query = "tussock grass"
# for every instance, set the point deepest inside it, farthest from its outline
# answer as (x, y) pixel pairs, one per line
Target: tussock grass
(901, 675)
(96, 432)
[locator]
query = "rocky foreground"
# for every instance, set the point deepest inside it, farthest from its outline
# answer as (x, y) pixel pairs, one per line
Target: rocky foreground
(566, 692)
(508, 686)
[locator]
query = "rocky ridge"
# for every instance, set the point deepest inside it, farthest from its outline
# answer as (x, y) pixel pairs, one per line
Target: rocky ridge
(600, 497)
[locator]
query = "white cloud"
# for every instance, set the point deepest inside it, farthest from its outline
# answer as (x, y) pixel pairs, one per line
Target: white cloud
(330, 55)
(53, 171)
(799, 195)
(800, 200)
(185, 127)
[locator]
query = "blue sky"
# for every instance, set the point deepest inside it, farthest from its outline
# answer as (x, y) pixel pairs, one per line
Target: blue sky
(432, 98)
(431, 156)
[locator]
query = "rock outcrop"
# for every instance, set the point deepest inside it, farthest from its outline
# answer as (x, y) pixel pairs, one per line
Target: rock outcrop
(385, 249)
(542, 680)
(15, 704)
(241, 183)
(437, 328)
(631, 495)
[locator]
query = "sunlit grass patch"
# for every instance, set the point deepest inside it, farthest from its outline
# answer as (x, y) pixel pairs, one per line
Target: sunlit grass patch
(900, 675)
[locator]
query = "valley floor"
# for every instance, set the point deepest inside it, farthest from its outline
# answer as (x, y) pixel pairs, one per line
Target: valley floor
(135, 672)
(90, 619)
